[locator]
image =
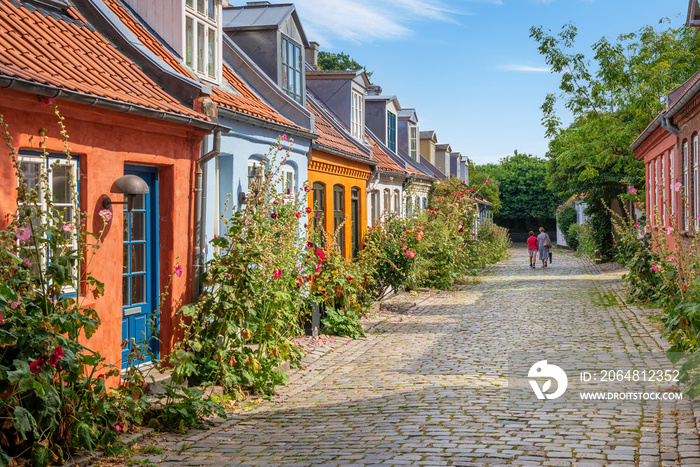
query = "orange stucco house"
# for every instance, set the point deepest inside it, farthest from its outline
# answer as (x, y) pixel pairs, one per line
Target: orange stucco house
(119, 122)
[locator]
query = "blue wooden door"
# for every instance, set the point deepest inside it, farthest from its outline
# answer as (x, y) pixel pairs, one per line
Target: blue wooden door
(140, 268)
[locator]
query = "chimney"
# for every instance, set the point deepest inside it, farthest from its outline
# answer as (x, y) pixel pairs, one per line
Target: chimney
(374, 90)
(312, 55)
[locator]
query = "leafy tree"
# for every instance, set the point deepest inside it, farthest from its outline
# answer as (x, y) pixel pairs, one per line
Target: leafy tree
(339, 61)
(478, 176)
(523, 187)
(612, 101)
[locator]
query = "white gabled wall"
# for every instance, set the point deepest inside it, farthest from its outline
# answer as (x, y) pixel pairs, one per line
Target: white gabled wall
(165, 17)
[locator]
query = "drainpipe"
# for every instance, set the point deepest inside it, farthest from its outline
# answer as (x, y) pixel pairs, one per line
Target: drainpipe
(668, 126)
(199, 206)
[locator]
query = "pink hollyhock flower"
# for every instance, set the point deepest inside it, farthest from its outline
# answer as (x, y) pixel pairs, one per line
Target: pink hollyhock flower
(106, 215)
(403, 248)
(0, 317)
(16, 304)
(671, 258)
(636, 225)
(277, 273)
(68, 227)
(27, 262)
(486, 181)
(410, 254)
(119, 426)
(228, 276)
(289, 191)
(669, 230)
(284, 137)
(677, 186)
(273, 215)
(23, 233)
(307, 187)
(178, 270)
(633, 191)
(655, 267)
(614, 244)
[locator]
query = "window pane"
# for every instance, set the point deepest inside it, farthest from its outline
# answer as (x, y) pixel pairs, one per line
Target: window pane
(200, 47)
(138, 257)
(189, 3)
(139, 202)
(189, 41)
(125, 267)
(138, 289)
(200, 6)
(211, 10)
(60, 183)
(125, 291)
(126, 226)
(138, 226)
(211, 55)
(30, 172)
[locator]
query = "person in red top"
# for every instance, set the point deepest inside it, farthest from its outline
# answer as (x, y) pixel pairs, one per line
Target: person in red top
(532, 248)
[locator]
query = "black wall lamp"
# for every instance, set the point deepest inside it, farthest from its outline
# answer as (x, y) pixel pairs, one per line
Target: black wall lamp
(130, 186)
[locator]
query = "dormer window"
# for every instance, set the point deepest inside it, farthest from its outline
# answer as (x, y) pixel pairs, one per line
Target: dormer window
(292, 64)
(391, 131)
(413, 142)
(202, 37)
(357, 117)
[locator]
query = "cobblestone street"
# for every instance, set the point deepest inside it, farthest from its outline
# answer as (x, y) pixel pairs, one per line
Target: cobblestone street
(429, 387)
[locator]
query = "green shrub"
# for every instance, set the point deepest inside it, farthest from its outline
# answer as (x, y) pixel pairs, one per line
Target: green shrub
(343, 322)
(572, 235)
(567, 216)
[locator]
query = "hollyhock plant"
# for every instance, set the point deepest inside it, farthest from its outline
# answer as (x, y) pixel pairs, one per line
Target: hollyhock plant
(277, 273)
(106, 215)
(633, 191)
(677, 186)
(178, 270)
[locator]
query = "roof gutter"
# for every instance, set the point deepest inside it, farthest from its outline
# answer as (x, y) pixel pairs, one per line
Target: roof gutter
(343, 154)
(257, 121)
(8, 82)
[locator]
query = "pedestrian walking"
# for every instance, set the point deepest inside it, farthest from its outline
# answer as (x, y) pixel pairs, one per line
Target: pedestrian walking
(532, 248)
(544, 244)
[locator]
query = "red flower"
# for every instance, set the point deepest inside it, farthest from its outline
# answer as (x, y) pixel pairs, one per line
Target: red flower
(309, 245)
(277, 273)
(273, 215)
(100, 376)
(308, 210)
(119, 426)
(178, 270)
(320, 254)
(298, 214)
(35, 367)
(461, 229)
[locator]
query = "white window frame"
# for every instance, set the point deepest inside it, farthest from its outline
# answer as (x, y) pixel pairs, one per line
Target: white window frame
(696, 183)
(397, 202)
(413, 142)
(292, 69)
(357, 116)
(289, 180)
(673, 182)
(685, 183)
(210, 71)
(48, 162)
(663, 189)
(387, 201)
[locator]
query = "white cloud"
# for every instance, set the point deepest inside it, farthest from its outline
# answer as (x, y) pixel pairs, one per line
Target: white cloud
(363, 21)
(525, 68)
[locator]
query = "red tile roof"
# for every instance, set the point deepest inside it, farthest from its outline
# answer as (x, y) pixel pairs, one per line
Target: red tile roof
(328, 134)
(384, 162)
(68, 55)
(244, 101)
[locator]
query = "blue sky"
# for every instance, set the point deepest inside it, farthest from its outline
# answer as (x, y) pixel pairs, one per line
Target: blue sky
(469, 67)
